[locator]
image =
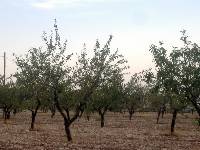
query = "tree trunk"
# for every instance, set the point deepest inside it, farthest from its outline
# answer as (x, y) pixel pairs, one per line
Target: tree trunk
(53, 110)
(173, 120)
(163, 109)
(14, 111)
(131, 112)
(8, 115)
(67, 130)
(102, 120)
(196, 106)
(162, 113)
(3, 114)
(198, 119)
(88, 117)
(33, 120)
(52, 114)
(33, 114)
(192, 111)
(102, 113)
(67, 120)
(81, 113)
(198, 111)
(159, 111)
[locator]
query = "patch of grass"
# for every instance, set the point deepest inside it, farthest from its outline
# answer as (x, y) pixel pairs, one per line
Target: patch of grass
(196, 122)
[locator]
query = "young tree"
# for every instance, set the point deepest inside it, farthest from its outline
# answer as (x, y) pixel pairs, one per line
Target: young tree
(157, 102)
(178, 72)
(8, 98)
(177, 103)
(108, 95)
(32, 80)
(133, 94)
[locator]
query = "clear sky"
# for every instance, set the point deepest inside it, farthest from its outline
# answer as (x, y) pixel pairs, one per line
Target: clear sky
(135, 25)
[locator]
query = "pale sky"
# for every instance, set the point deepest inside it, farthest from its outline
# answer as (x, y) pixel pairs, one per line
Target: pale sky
(135, 25)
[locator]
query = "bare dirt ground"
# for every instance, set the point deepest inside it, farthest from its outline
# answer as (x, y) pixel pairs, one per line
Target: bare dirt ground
(141, 133)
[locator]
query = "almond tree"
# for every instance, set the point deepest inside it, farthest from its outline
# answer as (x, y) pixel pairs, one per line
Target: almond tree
(108, 95)
(178, 73)
(9, 100)
(89, 74)
(31, 80)
(133, 94)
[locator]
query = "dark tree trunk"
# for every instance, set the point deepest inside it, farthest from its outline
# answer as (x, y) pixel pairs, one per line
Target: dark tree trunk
(162, 113)
(67, 120)
(33, 114)
(8, 115)
(80, 107)
(131, 112)
(192, 111)
(130, 116)
(14, 111)
(198, 111)
(197, 107)
(163, 109)
(81, 113)
(3, 114)
(102, 120)
(173, 120)
(53, 112)
(159, 111)
(67, 130)
(102, 113)
(6, 112)
(88, 117)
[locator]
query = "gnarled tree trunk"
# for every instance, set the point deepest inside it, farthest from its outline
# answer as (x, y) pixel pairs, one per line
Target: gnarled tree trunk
(67, 119)
(67, 130)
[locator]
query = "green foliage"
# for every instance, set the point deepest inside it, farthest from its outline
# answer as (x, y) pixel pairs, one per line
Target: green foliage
(178, 73)
(42, 70)
(9, 96)
(156, 101)
(108, 95)
(47, 79)
(134, 92)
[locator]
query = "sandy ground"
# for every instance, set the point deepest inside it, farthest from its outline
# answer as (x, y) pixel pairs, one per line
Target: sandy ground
(141, 133)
